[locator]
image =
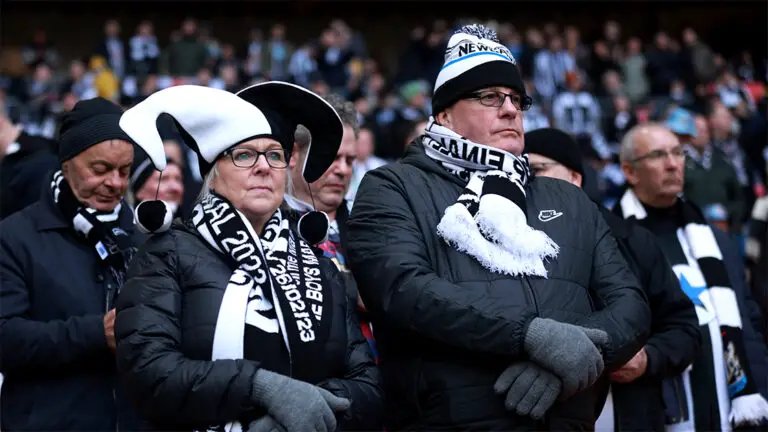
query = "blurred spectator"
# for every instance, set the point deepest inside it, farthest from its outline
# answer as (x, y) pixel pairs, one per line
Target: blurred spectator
(601, 63)
(576, 48)
(332, 61)
(112, 49)
(697, 59)
(633, 69)
(253, 52)
(663, 65)
(725, 132)
(710, 181)
(577, 112)
(105, 82)
(186, 56)
(80, 82)
(679, 94)
(365, 161)
(145, 53)
(303, 64)
(550, 68)
(40, 50)
(276, 55)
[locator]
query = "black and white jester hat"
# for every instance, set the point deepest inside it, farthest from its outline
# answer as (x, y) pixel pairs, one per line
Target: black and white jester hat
(211, 121)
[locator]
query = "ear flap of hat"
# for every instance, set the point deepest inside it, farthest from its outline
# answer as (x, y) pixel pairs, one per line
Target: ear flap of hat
(299, 106)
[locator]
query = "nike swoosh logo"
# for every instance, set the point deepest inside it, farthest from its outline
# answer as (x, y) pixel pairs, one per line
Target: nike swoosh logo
(548, 215)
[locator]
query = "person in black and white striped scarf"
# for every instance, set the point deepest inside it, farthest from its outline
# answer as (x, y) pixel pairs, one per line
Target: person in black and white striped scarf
(653, 161)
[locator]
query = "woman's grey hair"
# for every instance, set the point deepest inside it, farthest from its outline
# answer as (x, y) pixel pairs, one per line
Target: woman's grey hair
(206, 189)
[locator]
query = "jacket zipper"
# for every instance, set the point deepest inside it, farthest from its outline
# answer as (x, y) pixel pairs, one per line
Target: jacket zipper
(527, 284)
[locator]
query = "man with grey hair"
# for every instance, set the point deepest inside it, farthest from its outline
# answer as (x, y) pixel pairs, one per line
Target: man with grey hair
(722, 389)
(327, 195)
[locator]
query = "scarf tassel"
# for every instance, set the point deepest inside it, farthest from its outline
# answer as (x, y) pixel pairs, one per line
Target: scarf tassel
(749, 409)
(504, 223)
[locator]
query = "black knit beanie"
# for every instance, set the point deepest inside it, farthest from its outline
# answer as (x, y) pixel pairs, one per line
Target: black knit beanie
(556, 145)
(90, 122)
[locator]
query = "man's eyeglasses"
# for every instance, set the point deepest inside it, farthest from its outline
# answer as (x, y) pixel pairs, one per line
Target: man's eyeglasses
(495, 99)
(246, 158)
(657, 155)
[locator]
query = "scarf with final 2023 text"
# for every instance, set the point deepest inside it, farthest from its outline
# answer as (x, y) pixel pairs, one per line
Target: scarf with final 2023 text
(276, 268)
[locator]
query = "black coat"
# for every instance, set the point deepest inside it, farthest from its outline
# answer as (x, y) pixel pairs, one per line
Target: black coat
(24, 173)
(446, 327)
(59, 372)
(675, 337)
(166, 318)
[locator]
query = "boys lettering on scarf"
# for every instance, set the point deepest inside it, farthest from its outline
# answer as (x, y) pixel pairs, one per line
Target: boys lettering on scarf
(705, 279)
(489, 220)
(275, 285)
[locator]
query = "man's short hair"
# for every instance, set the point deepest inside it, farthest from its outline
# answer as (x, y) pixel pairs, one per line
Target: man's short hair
(343, 107)
(346, 110)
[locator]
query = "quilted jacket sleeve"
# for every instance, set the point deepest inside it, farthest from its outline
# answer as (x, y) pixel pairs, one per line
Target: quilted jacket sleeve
(168, 388)
(388, 256)
(624, 313)
(361, 381)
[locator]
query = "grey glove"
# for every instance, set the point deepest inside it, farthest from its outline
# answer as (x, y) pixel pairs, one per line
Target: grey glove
(531, 390)
(296, 405)
(567, 350)
(265, 424)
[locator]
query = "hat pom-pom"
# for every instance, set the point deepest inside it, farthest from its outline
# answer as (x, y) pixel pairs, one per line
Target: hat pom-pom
(480, 31)
(153, 216)
(313, 227)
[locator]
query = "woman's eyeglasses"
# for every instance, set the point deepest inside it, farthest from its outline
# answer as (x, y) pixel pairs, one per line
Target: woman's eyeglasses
(246, 158)
(495, 99)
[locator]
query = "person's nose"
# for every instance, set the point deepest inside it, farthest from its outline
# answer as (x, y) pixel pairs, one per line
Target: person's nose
(261, 166)
(115, 180)
(508, 108)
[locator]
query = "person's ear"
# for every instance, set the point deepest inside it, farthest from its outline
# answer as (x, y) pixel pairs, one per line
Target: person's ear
(443, 118)
(629, 173)
(65, 168)
(576, 179)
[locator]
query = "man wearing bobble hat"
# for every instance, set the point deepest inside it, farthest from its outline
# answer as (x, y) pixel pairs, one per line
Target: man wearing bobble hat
(499, 299)
(63, 261)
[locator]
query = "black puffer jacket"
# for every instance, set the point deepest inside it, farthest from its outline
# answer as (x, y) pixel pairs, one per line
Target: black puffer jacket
(446, 327)
(166, 317)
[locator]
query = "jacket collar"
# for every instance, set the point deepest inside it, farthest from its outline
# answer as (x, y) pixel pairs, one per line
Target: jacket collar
(416, 156)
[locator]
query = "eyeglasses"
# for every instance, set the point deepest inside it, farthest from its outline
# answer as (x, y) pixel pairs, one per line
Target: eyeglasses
(495, 99)
(657, 155)
(246, 158)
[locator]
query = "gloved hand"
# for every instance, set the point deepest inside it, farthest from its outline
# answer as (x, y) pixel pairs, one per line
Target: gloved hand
(531, 390)
(296, 405)
(569, 351)
(265, 424)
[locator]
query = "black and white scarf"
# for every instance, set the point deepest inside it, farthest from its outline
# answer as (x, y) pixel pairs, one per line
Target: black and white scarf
(489, 220)
(706, 260)
(277, 264)
(704, 159)
(114, 245)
